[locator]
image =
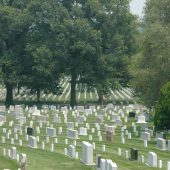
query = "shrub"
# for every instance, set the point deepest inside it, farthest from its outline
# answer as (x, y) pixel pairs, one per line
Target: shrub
(162, 109)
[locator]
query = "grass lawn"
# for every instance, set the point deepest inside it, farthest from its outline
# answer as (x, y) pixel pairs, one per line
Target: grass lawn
(38, 159)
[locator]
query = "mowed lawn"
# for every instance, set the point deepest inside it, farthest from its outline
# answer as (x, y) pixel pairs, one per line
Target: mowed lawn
(38, 159)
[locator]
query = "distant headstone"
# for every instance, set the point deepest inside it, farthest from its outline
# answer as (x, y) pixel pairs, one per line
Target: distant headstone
(83, 131)
(32, 142)
(30, 131)
(51, 132)
(160, 135)
(161, 144)
(109, 136)
(134, 154)
(70, 125)
(73, 134)
(132, 114)
(71, 152)
(168, 145)
(145, 136)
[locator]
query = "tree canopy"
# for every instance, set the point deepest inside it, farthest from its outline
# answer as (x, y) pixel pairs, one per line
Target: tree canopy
(41, 41)
(162, 109)
(150, 68)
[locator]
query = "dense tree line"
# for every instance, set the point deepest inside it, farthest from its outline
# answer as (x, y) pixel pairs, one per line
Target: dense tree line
(42, 41)
(150, 69)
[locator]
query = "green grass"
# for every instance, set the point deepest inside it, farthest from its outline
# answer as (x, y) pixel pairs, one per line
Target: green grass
(38, 159)
(6, 163)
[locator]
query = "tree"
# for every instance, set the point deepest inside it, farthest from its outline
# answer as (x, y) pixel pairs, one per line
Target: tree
(162, 109)
(150, 68)
(13, 28)
(83, 47)
(45, 46)
(118, 28)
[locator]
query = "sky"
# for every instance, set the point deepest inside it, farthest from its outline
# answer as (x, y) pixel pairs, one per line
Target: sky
(136, 7)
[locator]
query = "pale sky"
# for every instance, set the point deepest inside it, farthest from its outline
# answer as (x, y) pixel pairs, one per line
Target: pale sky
(136, 7)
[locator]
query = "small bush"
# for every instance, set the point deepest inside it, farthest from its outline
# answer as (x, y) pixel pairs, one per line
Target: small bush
(162, 109)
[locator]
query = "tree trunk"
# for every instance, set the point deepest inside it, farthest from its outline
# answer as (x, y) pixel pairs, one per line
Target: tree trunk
(9, 95)
(32, 91)
(73, 101)
(101, 98)
(38, 94)
(18, 88)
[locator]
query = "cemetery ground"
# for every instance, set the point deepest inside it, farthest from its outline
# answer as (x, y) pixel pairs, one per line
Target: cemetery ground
(55, 159)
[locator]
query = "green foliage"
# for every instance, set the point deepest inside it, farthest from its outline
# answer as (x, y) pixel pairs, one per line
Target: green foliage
(42, 41)
(162, 109)
(150, 67)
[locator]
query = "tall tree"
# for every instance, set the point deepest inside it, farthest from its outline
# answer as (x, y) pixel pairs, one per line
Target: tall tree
(150, 68)
(117, 27)
(13, 28)
(83, 46)
(101, 37)
(45, 46)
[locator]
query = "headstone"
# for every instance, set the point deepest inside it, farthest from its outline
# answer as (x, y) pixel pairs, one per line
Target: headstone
(100, 138)
(168, 145)
(119, 152)
(149, 131)
(23, 161)
(142, 159)
(134, 154)
(141, 119)
(110, 128)
(47, 139)
(32, 142)
(30, 131)
(160, 135)
(115, 117)
(145, 143)
(60, 130)
(99, 119)
(51, 132)
(73, 134)
(83, 131)
(57, 119)
(132, 114)
(102, 164)
(145, 136)
(129, 136)
(168, 166)
(152, 159)
(42, 145)
(80, 119)
(143, 126)
(98, 159)
(88, 112)
(113, 166)
(109, 136)
(127, 154)
(13, 153)
(103, 148)
(65, 151)
(160, 164)
(70, 125)
(52, 147)
(87, 153)
(161, 144)
(119, 122)
(80, 108)
(71, 151)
